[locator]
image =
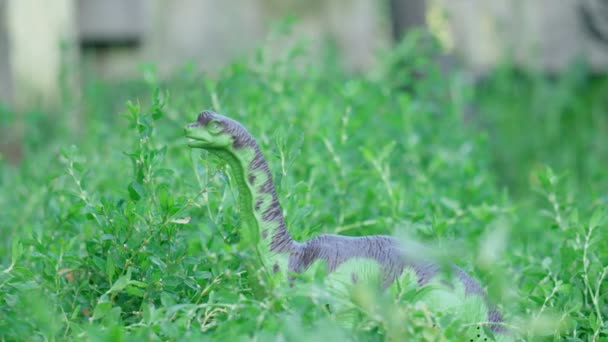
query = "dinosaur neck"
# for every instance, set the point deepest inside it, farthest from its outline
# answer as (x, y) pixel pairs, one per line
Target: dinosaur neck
(259, 204)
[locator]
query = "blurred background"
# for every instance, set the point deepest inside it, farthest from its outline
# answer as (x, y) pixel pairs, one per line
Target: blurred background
(50, 51)
(113, 37)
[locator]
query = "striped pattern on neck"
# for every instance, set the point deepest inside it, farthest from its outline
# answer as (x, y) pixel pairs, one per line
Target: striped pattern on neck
(259, 202)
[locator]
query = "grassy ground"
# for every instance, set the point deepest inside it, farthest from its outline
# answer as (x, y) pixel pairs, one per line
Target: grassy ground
(507, 177)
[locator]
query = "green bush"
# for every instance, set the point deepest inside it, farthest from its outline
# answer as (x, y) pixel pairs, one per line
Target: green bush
(120, 232)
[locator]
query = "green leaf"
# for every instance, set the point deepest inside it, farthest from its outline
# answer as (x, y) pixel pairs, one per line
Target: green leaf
(172, 281)
(11, 299)
(101, 310)
(17, 250)
(26, 285)
(105, 237)
(164, 196)
(76, 312)
(387, 150)
(120, 284)
(166, 173)
(594, 321)
(203, 275)
(157, 113)
(157, 261)
(166, 299)
(110, 268)
(134, 291)
(142, 127)
(134, 108)
(596, 218)
(136, 191)
(149, 310)
(138, 283)
(112, 317)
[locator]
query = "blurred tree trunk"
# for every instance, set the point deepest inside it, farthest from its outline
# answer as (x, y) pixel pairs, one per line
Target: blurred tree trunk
(41, 59)
(36, 52)
(10, 147)
(5, 75)
(406, 15)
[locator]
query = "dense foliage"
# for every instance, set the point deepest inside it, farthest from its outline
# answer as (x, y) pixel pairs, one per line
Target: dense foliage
(116, 230)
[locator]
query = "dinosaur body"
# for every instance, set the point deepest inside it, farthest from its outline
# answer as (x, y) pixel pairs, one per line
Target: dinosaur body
(265, 226)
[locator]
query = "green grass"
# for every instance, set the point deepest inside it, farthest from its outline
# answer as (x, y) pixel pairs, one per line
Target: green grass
(118, 231)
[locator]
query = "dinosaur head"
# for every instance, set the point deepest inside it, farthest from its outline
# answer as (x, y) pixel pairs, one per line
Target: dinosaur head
(212, 131)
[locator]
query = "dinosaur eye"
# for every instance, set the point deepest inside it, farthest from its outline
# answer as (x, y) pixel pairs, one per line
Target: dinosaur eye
(214, 127)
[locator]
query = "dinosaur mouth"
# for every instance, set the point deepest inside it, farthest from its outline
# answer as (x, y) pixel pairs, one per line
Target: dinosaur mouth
(194, 139)
(197, 142)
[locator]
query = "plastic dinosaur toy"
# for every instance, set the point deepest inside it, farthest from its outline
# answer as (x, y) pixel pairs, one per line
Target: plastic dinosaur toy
(264, 227)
